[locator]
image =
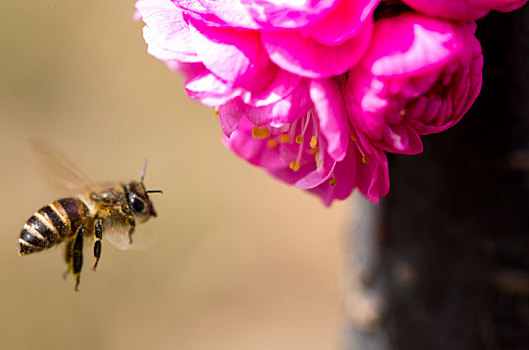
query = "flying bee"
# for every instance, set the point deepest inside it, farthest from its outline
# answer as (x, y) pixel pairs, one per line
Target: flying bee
(110, 210)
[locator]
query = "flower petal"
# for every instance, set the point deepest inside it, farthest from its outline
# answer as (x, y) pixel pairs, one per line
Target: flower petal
(282, 83)
(232, 12)
(309, 58)
(288, 13)
(230, 114)
(317, 176)
(345, 173)
(344, 22)
(410, 44)
(188, 70)
(372, 179)
(287, 110)
(332, 115)
(211, 90)
(194, 9)
(229, 53)
(166, 32)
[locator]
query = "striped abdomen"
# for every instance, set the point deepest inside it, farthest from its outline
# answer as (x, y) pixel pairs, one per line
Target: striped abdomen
(52, 224)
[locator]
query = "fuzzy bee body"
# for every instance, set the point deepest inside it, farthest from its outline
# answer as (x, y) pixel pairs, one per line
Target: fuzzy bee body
(111, 210)
(52, 224)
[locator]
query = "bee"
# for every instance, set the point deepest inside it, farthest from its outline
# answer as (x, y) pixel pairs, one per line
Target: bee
(108, 210)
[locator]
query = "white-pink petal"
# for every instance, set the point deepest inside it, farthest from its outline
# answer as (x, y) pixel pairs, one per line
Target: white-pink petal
(166, 31)
(211, 90)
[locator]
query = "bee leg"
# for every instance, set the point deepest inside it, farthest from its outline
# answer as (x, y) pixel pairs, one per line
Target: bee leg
(131, 231)
(68, 257)
(77, 256)
(98, 231)
(132, 223)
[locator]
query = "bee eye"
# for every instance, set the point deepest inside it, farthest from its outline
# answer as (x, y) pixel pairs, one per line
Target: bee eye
(137, 204)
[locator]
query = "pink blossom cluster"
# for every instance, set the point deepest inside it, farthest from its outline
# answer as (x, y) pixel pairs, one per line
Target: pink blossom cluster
(318, 91)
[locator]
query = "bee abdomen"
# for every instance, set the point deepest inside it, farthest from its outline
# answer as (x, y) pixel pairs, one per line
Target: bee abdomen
(52, 224)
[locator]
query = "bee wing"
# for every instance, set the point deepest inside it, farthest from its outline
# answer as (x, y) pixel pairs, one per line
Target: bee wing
(119, 238)
(59, 171)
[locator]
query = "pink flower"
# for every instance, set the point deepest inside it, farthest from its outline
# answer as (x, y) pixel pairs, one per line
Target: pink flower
(463, 10)
(419, 76)
(315, 151)
(313, 91)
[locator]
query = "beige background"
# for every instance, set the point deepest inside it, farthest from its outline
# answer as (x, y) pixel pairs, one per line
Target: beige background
(236, 260)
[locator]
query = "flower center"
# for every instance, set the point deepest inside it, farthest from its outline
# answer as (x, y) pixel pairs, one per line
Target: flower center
(299, 128)
(301, 137)
(301, 143)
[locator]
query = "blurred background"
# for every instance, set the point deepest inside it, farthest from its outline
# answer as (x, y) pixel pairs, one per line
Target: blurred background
(235, 260)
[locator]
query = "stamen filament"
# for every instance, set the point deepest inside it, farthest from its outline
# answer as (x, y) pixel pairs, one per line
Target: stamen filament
(300, 150)
(315, 129)
(358, 145)
(307, 119)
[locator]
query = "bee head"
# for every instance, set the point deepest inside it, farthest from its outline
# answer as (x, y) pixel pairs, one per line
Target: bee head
(138, 198)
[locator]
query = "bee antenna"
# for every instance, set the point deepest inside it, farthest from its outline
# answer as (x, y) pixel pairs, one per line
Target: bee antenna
(154, 191)
(142, 176)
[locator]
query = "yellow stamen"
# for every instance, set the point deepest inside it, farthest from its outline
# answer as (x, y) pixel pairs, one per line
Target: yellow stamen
(216, 111)
(402, 112)
(314, 150)
(260, 132)
(295, 165)
(313, 142)
(354, 137)
(271, 143)
(284, 138)
(299, 139)
(333, 181)
(365, 160)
